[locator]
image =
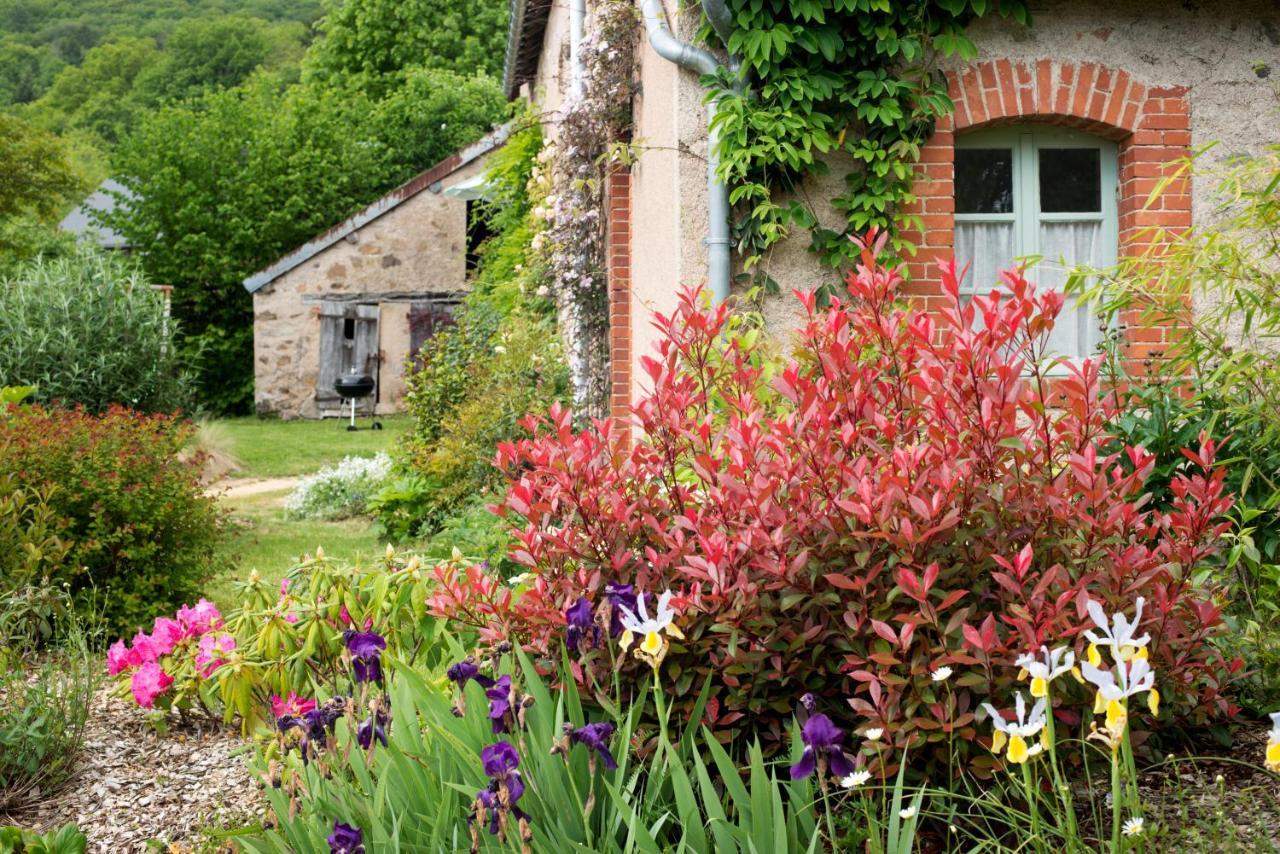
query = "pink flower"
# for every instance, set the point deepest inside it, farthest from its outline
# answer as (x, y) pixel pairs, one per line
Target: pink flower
(202, 618)
(284, 587)
(295, 705)
(291, 618)
(148, 683)
(212, 648)
(166, 634)
(118, 658)
(145, 650)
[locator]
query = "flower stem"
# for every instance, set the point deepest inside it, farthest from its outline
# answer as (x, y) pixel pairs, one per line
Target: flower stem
(1116, 802)
(1032, 806)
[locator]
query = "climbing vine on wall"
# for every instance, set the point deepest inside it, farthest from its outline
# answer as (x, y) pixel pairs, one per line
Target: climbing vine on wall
(571, 171)
(825, 78)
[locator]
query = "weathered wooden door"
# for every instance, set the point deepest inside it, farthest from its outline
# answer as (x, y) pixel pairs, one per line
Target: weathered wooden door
(348, 341)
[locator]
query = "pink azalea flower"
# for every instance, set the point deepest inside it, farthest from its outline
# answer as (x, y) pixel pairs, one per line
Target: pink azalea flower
(148, 683)
(166, 634)
(295, 705)
(118, 658)
(291, 618)
(202, 618)
(145, 650)
(212, 648)
(284, 587)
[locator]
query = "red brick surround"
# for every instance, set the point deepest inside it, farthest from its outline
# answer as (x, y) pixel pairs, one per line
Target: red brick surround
(1152, 126)
(618, 201)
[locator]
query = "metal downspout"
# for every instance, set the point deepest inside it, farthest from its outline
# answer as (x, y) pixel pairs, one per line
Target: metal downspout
(702, 62)
(577, 25)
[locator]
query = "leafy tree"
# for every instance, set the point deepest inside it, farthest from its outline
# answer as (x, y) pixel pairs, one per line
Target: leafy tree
(35, 176)
(25, 71)
(433, 114)
(98, 94)
(374, 42)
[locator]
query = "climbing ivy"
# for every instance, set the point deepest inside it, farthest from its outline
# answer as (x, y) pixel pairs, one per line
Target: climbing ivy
(848, 82)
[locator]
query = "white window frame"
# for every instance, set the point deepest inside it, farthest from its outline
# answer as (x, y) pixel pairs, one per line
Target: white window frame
(1025, 142)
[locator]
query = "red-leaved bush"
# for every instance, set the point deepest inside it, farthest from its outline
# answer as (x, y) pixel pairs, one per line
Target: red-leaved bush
(906, 491)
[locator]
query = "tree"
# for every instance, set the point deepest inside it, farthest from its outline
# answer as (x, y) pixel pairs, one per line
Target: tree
(25, 71)
(433, 114)
(98, 94)
(36, 177)
(374, 42)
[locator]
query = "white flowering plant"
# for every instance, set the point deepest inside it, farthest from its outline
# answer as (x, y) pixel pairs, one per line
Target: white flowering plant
(341, 491)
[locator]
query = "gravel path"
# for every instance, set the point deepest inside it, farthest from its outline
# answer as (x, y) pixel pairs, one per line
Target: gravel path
(134, 785)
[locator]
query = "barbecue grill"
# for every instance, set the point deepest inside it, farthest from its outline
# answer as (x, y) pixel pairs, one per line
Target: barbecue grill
(351, 388)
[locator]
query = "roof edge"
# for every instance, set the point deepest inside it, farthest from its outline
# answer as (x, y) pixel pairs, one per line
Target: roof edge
(388, 202)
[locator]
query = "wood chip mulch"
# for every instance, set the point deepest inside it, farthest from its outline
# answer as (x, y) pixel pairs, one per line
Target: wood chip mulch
(134, 786)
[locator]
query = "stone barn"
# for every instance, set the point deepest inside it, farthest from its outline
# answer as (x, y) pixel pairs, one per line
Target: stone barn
(367, 293)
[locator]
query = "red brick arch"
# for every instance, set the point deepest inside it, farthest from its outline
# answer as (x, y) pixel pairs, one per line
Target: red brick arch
(1152, 126)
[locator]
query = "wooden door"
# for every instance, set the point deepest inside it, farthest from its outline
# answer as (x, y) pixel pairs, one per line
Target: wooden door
(348, 341)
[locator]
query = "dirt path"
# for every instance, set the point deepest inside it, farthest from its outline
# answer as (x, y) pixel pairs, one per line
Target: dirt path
(242, 487)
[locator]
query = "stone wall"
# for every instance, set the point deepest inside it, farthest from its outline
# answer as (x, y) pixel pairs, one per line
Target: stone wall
(414, 252)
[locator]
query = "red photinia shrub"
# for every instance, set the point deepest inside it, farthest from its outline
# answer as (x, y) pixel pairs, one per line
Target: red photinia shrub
(142, 528)
(907, 491)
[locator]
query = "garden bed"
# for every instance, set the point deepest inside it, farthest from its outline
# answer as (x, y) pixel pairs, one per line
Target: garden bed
(133, 784)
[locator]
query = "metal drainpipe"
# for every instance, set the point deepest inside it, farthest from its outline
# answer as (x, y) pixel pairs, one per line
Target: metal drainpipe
(700, 61)
(577, 24)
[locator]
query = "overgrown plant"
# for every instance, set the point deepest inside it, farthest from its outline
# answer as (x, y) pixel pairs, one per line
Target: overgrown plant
(340, 491)
(90, 330)
(894, 498)
(847, 84)
(1215, 290)
(121, 491)
(45, 704)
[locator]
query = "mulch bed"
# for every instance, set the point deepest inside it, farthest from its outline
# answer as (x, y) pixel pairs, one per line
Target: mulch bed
(134, 785)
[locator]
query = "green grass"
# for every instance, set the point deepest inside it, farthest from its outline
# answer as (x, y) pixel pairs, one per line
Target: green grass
(274, 448)
(265, 539)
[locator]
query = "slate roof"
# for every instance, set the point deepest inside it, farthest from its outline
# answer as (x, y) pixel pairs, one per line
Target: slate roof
(80, 221)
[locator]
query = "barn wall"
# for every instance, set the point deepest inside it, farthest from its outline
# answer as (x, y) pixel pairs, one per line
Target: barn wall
(417, 248)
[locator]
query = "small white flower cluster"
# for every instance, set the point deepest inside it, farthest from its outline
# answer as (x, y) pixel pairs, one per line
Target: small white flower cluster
(340, 491)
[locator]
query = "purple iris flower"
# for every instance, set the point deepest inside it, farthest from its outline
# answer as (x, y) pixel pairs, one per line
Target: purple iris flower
(822, 739)
(316, 725)
(596, 737)
(582, 624)
(499, 695)
(488, 798)
(620, 596)
(366, 651)
(500, 762)
(372, 728)
(809, 702)
(466, 670)
(346, 839)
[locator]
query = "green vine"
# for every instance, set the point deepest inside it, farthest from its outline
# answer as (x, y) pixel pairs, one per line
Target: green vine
(833, 80)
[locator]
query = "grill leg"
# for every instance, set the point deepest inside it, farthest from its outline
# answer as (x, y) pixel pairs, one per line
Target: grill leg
(352, 426)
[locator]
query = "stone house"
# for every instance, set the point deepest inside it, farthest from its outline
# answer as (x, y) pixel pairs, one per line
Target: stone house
(1060, 132)
(364, 295)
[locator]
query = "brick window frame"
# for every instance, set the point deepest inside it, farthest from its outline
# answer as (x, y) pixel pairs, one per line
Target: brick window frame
(1150, 124)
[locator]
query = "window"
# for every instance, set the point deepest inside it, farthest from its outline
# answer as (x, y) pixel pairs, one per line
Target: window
(1033, 191)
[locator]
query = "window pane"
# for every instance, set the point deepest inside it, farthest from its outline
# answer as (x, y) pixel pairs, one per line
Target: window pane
(1065, 245)
(984, 180)
(1070, 180)
(988, 248)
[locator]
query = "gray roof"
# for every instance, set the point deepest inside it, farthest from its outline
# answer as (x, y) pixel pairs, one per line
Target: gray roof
(428, 180)
(80, 221)
(524, 43)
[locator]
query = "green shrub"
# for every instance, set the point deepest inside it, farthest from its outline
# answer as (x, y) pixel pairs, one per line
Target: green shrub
(35, 553)
(468, 397)
(43, 708)
(143, 530)
(90, 330)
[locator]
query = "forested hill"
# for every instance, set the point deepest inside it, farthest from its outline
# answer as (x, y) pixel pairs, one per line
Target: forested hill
(39, 39)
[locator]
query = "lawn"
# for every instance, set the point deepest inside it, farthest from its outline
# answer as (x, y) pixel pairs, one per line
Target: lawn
(266, 447)
(263, 537)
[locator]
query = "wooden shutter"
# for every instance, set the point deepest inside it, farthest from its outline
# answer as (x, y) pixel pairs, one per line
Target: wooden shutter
(348, 339)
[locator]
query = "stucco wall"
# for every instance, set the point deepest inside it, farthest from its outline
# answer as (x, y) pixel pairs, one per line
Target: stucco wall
(419, 247)
(1209, 47)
